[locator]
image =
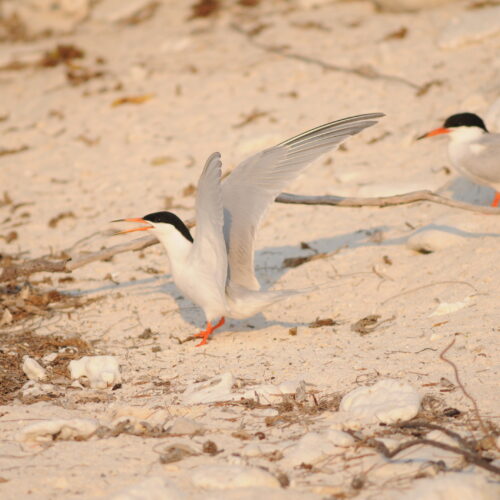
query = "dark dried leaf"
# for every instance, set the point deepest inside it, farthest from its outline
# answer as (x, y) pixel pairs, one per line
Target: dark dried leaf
(317, 323)
(58, 218)
(396, 35)
(12, 151)
(423, 89)
(204, 8)
(137, 99)
(62, 54)
(251, 117)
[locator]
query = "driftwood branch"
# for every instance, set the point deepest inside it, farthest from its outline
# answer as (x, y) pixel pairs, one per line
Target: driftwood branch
(385, 201)
(14, 271)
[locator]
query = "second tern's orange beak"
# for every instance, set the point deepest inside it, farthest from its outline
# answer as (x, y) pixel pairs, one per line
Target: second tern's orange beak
(434, 132)
(142, 228)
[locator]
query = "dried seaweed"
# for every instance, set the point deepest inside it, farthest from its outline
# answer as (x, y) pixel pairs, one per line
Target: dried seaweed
(61, 54)
(204, 8)
(133, 99)
(16, 345)
(317, 323)
(251, 117)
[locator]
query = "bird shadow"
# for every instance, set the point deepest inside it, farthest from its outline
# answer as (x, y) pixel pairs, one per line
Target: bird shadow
(462, 189)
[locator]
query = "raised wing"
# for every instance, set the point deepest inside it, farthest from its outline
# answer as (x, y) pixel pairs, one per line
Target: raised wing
(256, 182)
(209, 247)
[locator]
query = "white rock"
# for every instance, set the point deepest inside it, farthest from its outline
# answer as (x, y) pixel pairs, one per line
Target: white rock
(338, 438)
(42, 432)
(48, 358)
(273, 394)
(115, 11)
(33, 370)
(470, 26)
(266, 394)
(33, 389)
(6, 317)
(135, 414)
(232, 476)
(41, 16)
(455, 485)
(310, 449)
(153, 488)
(257, 449)
(217, 388)
(388, 401)
(182, 425)
(451, 307)
(102, 371)
(292, 386)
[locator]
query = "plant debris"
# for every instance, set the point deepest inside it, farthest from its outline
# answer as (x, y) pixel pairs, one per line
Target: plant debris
(423, 89)
(249, 3)
(9, 237)
(204, 8)
(189, 190)
(61, 54)
(16, 345)
(13, 151)
(396, 35)
(58, 218)
(367, 324)
(135, 99)
(317, 323)
(251, 117)
(298, 261)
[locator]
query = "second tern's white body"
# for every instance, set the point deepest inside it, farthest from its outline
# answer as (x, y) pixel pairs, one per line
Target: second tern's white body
(475, 153)
(216, 271)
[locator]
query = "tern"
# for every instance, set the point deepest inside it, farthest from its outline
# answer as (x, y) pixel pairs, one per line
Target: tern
(216, 268)
(473, 151)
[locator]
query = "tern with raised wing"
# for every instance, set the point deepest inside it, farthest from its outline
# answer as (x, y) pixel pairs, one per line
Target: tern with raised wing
(473, 151)
(215, 269)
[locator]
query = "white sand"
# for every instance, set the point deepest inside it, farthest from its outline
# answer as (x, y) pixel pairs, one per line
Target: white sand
(98, 162)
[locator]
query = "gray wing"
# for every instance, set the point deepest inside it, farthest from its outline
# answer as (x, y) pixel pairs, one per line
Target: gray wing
(256, 182)
(209, 246)
(484, 162)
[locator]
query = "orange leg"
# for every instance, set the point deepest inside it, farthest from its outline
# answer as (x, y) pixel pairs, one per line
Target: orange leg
(205, 333)
(496, 199)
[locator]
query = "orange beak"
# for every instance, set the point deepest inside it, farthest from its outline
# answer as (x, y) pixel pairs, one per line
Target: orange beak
(142, 228)
(437, 131)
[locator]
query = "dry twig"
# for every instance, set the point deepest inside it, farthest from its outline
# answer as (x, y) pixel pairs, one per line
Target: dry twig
(362, 71)
(459, 383)
(469, 456)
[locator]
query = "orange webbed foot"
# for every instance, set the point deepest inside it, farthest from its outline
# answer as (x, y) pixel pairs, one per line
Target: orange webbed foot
(208, 331)
(496, 200)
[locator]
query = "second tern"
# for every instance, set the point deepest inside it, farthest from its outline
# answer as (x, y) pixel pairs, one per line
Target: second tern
(216, 268)
(473, 150)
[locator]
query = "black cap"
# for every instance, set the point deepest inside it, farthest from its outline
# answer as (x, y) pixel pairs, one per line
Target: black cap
(170, 218)
(465, 120)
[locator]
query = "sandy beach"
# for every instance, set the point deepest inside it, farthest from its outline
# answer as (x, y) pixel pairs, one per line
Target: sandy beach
(121, 125)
